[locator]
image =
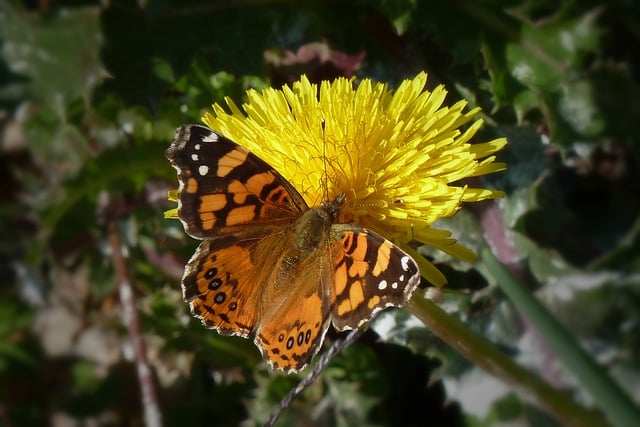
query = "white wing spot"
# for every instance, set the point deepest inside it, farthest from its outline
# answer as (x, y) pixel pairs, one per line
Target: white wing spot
(382, 285)
(212, 137)
(405, 263)
(394, 285)
(195, 157)
(203, 170)
(401, 278)
(197, 146)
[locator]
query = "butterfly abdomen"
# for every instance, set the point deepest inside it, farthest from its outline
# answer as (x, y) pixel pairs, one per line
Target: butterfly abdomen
(310, 231)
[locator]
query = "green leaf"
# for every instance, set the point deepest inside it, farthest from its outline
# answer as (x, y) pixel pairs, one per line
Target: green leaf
(60, 54)
(547, 51)
(15, 352)
(615, 403)
(105, 171)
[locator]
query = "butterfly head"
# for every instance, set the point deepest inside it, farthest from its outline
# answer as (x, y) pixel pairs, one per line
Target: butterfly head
(332, 208)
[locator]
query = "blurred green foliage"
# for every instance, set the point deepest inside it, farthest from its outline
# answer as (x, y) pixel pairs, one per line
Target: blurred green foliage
(91, 93)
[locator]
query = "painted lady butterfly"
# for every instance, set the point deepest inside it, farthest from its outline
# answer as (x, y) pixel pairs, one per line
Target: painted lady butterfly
(271, 266)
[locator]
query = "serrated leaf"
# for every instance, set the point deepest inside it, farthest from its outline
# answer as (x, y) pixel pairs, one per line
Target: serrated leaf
(545, 53)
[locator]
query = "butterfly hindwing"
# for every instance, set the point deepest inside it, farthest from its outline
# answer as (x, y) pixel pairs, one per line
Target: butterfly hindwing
(291, 338)
(219, 286)
(224, 188)
(227, 280)
(370, 274)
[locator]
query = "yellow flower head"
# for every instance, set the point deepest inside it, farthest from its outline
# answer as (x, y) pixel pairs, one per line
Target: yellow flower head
(394, 155)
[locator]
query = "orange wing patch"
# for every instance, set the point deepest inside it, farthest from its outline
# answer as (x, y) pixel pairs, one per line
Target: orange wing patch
(231, 161)
(293, 335)
(220, 286)
(192, 186)
(370, 274)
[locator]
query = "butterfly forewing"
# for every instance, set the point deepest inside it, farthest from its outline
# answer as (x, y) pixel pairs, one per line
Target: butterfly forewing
(224, 188)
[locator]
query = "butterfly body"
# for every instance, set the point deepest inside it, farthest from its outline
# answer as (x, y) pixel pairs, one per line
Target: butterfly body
(269, 265)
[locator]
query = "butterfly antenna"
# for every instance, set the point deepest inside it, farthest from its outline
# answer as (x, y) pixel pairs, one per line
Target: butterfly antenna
(323, 361)
(325, 174)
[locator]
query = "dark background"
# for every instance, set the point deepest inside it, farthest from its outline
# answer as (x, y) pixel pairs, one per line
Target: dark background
(90, 95)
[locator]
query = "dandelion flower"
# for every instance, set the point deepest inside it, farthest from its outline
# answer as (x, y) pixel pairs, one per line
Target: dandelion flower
(396, 155)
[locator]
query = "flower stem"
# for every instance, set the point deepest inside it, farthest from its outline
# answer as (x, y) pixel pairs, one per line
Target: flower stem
(485, 355)
(149, 394)
(615, 403)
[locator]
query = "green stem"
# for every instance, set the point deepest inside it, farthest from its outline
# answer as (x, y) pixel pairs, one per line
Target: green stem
(485, 355)
(615, 403)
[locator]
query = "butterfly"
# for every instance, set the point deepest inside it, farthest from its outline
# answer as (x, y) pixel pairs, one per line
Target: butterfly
(268, 264)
